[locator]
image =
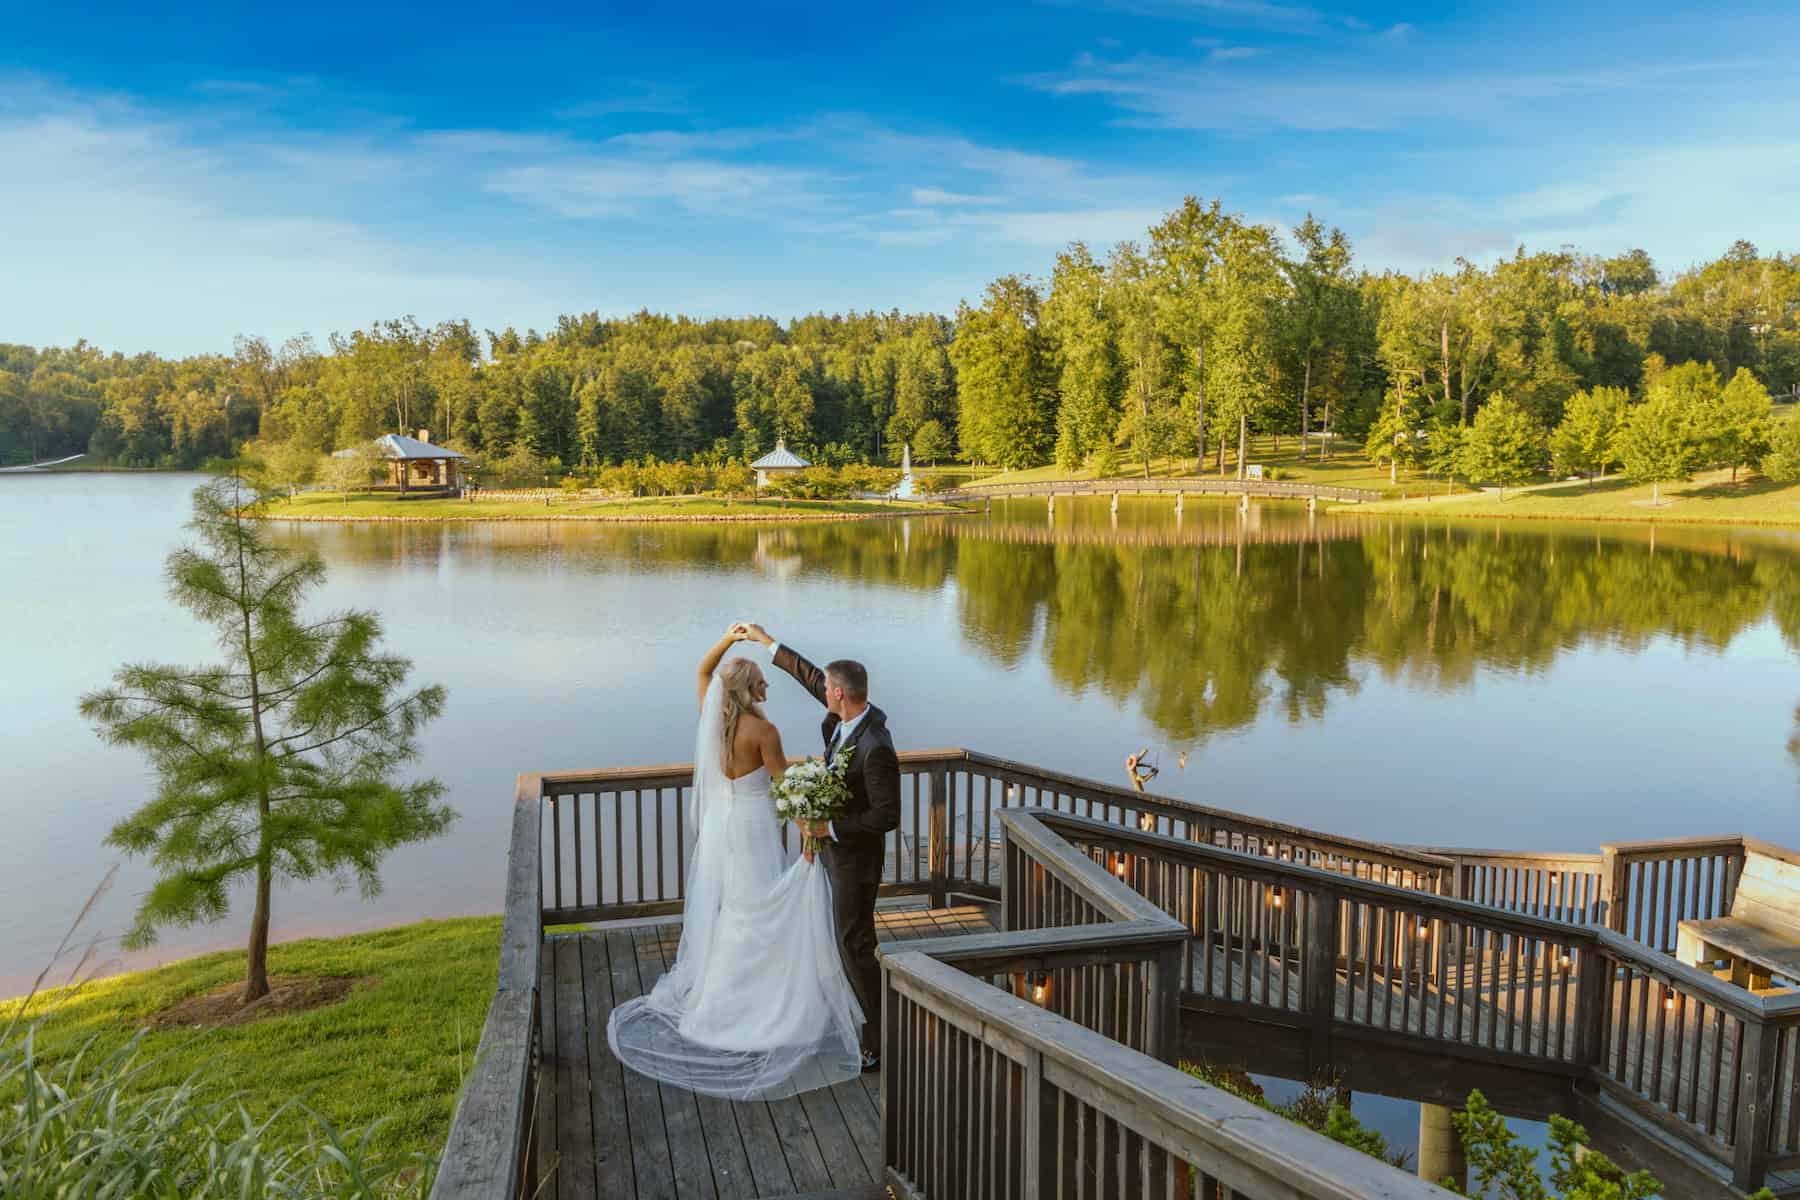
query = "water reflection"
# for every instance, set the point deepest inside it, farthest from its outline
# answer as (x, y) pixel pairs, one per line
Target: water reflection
(1206, 618)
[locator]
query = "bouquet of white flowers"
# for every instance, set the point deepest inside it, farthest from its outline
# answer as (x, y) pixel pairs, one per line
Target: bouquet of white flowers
(814, 790)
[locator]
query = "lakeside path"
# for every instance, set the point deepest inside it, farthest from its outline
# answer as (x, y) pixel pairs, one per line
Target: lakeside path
(1710, 498)
(704, 510)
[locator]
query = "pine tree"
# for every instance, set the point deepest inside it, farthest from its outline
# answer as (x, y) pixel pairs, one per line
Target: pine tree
(277, 762)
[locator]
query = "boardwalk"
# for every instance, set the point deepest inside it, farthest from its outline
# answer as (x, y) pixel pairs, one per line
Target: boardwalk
(1138, 930)
(619, 1135)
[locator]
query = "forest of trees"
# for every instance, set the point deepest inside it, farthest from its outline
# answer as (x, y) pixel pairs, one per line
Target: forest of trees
(1210, 330)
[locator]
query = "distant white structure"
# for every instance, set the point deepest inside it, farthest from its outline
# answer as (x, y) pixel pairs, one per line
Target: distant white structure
(904, 491)
(776, 463)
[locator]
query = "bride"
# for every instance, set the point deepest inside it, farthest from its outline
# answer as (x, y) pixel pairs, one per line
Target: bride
(757, 1005)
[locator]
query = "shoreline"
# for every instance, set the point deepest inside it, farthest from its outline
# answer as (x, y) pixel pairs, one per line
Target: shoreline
(1381, 508)
(607, 519)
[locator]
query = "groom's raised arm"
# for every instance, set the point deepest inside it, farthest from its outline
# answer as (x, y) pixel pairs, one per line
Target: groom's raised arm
(794, 663)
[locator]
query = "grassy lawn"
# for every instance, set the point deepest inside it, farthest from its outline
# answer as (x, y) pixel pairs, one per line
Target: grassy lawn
(1710, 498)
(395, 1049)
(1347, 467)
(331, 504)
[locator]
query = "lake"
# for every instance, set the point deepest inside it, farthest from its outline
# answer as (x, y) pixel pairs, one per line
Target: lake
(1498, 685)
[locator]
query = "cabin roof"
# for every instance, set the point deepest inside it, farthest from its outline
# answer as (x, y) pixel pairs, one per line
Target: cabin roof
(398, 445)
(779, 457)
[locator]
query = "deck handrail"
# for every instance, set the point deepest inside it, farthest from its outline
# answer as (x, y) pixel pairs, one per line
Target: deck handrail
(1186, 1130)
(1585, 1001)
(491, 1152)
(1068, 907)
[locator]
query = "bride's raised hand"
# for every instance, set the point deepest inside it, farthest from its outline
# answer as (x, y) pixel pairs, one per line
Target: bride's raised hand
(739, 631)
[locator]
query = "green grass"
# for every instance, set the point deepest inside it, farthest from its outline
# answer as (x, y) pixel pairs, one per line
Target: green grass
(395, 1049)
(1347, 467)
(332, 505)
(1710, 498)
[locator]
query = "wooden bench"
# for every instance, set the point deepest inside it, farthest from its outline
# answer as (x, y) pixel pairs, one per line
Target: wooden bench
(1761, 937)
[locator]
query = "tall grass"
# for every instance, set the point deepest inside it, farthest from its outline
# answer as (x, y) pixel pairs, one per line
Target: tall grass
(87, 1125)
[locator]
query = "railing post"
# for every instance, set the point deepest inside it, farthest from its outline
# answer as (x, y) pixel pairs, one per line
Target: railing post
(1165, 1001)
(942, 845)
(1592, 1002)
(1614, 888)
(890, 1078)
(1755, 1105)
(1321, 976)
(1037, 1175)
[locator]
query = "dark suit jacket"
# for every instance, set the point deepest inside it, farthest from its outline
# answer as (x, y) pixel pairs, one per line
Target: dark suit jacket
(874, 774)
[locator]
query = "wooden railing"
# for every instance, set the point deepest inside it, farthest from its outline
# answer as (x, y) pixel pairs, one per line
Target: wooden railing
(1119, 906)
(1274, 489)
(1341, 957)
(1660, 884)
(615, 841)
(994, 1096)
(491, 1153)
(1049, 1084)
(1557, 887)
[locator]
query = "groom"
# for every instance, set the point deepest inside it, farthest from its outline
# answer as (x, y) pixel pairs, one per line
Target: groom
(857, 841)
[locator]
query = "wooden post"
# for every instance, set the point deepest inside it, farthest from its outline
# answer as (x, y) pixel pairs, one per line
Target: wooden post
(890, 1075)
(1440, 1150)
(1593, 1000)
(1037, 1177)
(1320, 999)
(1165, 1004)
(1178, 498)
(1615, 888)
(941, 844)
(1115, 504)
(1756, 1104)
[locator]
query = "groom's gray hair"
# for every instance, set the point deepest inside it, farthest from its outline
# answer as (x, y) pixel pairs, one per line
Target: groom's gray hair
(850, 675)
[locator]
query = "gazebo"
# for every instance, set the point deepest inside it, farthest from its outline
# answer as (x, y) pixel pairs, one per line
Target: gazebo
(415, 465)
(776, 463)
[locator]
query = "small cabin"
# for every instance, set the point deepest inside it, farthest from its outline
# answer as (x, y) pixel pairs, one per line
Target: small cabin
(414, 465)
(777, 463)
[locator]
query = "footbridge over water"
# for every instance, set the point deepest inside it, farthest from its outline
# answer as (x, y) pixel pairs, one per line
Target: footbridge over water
(1179, 488)
(1054, 945)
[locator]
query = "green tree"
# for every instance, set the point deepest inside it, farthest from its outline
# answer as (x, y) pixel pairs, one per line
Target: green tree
(1656, 440)
(1738, 425)
(277, 762)
(353, 469)
(1392, 438)
(1148, 422)
(1079, 320)
(930, 443)
(1782, 462)
(1318, 310)
(1005, 377)
(1499, 1166)
(1504, 445)
(1582, 441)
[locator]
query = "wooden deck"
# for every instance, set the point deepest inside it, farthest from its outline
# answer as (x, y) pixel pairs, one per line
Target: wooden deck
(620, 1135)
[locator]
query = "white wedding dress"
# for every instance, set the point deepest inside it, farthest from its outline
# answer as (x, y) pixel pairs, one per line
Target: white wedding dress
(757, 1005)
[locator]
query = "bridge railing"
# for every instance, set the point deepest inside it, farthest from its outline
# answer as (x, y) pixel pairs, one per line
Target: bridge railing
(1271, 488)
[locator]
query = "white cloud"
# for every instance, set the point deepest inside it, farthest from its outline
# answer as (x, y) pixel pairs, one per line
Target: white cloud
(939, 196)
(587, 188)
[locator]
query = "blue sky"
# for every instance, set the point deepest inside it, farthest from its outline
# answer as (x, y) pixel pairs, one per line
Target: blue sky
(171, 178)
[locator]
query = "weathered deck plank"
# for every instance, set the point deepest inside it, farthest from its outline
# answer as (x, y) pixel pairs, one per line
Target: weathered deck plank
(619, 1136)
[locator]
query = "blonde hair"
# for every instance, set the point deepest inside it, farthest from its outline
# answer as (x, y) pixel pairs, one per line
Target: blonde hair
(736, 678)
